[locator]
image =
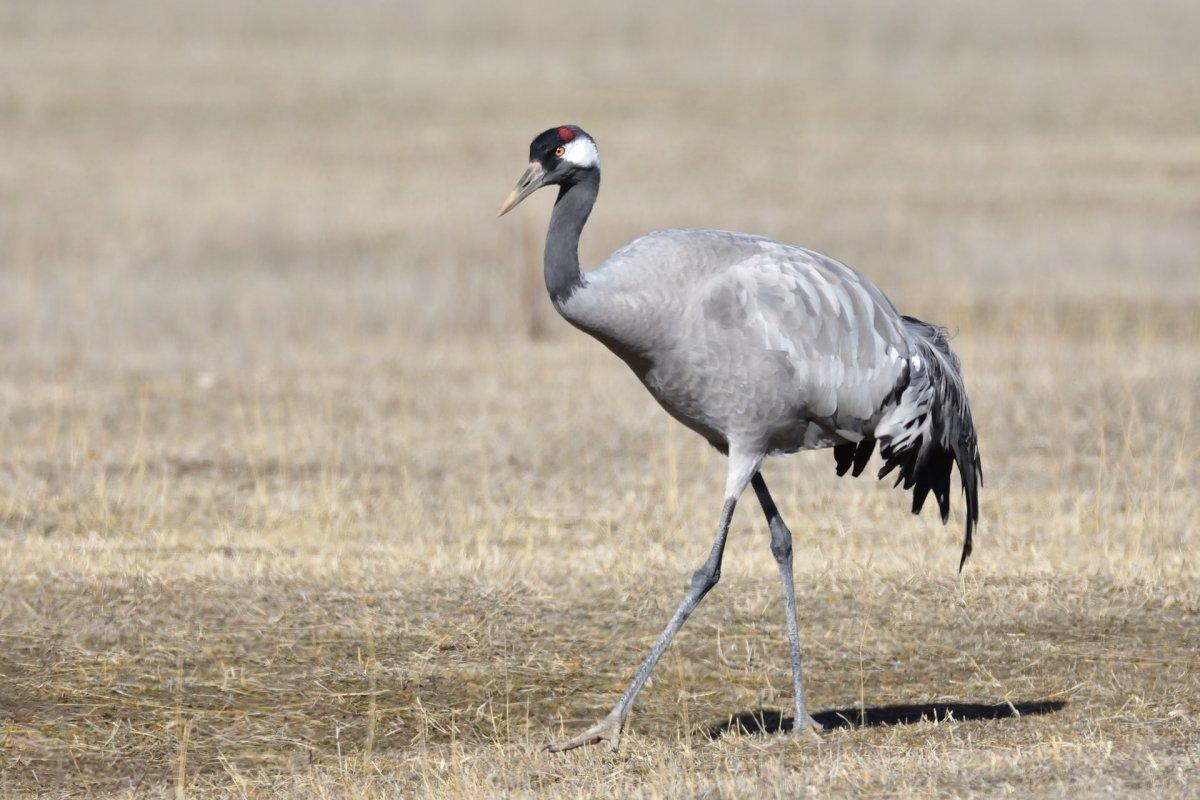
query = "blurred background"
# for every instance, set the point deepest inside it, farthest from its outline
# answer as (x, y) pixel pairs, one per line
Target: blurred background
(207, 175)
(297, 464)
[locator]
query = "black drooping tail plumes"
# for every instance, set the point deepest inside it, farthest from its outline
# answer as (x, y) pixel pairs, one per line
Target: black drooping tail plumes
(926, 428)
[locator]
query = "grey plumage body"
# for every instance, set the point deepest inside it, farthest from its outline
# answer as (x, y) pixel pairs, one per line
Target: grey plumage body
(748, 341)
(770, 348)
(762, 348)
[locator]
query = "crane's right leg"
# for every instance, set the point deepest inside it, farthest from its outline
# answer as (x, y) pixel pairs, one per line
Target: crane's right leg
(781, 548)
(608, 730)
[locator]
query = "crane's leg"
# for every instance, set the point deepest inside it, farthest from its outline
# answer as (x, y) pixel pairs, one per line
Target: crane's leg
(781, 548)
(608, 730)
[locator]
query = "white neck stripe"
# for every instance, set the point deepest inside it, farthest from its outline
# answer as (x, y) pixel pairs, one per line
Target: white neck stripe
(582, 152)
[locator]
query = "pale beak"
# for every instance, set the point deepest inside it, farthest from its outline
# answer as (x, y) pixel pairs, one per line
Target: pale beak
(530, 182)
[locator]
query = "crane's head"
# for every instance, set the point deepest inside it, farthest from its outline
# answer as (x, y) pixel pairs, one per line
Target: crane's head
(561, 155)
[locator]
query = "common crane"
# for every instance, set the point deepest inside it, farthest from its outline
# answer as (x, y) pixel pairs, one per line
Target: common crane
(762, 348)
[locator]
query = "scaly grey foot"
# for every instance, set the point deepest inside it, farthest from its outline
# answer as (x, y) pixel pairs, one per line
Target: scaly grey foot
(806, 727)
(607, 730)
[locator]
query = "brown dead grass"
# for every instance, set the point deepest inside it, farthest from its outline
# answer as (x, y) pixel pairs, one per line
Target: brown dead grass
(292, 504)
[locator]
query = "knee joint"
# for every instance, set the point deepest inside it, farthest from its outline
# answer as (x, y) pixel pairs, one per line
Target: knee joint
(705, 578)
(781, 544)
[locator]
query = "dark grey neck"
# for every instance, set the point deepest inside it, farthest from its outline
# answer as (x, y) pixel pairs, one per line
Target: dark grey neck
(561, 260)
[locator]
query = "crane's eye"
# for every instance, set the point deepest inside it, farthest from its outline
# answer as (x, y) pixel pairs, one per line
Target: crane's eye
(560, 151)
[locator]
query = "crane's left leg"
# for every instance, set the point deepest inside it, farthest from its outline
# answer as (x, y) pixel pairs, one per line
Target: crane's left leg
(608, 730)
(781, 548)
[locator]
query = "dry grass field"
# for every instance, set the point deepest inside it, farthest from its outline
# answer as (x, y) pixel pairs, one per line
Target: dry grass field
(305, 492)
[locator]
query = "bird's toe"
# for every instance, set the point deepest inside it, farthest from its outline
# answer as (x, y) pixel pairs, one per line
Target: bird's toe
(607, 732)
(806, 728)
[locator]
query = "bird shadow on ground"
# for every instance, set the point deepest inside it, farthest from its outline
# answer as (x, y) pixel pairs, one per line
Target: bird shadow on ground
(763, 721)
